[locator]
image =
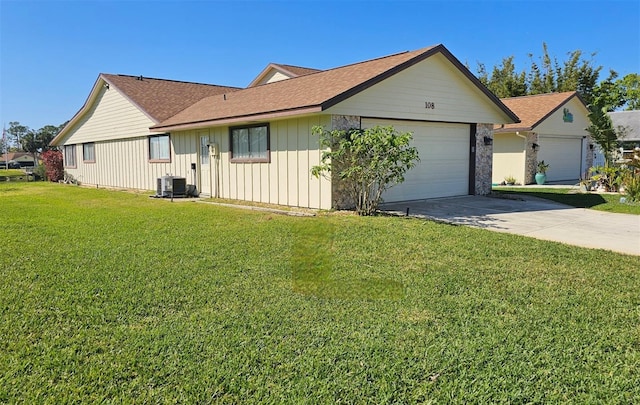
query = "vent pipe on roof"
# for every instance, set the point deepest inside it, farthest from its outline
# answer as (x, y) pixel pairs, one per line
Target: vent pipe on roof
(139, 78)
(224, 96)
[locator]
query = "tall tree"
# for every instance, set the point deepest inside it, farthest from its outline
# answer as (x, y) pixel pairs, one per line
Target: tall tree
(603, 132)
(545, 75)
(46, 134)
(504, 81)
(630, 88)
(17, 132)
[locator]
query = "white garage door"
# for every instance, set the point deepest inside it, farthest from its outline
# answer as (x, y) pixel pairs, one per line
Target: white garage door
(443, 170)
(563, 155)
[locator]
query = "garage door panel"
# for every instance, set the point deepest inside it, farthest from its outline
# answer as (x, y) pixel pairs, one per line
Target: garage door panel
(443, 170)
(563, 155)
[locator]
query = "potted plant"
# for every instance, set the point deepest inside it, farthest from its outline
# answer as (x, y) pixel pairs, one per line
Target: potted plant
(541, 174)
(509, 180)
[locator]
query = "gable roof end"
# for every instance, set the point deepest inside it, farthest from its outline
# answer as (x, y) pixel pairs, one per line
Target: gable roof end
(158, 99)
(533, 110)
(288, 70)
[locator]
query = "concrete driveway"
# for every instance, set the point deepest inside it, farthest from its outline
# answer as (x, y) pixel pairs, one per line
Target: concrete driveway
(530, 216)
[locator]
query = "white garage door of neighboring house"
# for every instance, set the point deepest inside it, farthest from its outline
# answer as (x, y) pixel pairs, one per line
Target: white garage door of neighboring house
(563, 155)
(443, 170)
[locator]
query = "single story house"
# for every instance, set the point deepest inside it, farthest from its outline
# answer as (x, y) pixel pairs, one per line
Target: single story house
(23, 158)
(256, 143)
(553, 129)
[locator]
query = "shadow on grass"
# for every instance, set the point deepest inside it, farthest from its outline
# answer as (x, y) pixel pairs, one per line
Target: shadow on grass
(574, 200)
(312, 267)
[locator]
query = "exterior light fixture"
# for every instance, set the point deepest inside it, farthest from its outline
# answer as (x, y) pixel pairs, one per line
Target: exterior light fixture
(488, 140)
(535, 146)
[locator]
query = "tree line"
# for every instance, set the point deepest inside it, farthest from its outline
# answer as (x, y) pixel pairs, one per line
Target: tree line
(21, 138)
(548, 75)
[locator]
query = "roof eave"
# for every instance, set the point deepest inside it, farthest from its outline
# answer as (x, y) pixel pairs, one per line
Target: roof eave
(547, 115)
(237, 119)
(513, 129)
(90, 99)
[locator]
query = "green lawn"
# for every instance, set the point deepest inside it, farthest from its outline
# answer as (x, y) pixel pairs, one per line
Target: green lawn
(609, 202)
(115, 297)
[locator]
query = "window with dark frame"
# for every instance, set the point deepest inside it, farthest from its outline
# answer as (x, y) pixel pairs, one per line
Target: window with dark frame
(159, 148)
(88, 152)
(250, 143)
(69, 155)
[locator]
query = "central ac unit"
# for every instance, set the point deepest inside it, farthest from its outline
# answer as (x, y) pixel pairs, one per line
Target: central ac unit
(171, 186)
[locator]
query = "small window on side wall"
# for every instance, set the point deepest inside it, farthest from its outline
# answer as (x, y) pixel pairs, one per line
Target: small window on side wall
(69, 155)
(250, 143)
(159, 148)
(88, 152)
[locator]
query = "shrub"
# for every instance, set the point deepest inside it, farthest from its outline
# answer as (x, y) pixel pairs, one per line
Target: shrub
(369, 161)
(54, 165)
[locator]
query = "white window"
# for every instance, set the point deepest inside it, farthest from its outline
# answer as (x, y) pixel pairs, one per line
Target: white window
(159, 148)
(88, 152)
(204, 150)
(250, 143)
(70, 155)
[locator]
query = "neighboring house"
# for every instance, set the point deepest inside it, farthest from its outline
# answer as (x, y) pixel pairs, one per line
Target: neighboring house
(630, 121)
(553, 129)
(24, 158)
(256, 144)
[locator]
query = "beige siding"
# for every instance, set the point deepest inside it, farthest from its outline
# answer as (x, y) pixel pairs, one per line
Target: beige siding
(508, 157)
(274, 76)
(554, 125)
(433, 80)
(122, 163)
(98, 123)
(286, 180)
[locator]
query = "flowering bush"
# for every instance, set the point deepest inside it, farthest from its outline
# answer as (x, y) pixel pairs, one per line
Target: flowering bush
(54, 165)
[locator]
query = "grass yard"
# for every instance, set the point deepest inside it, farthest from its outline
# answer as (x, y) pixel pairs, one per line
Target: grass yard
(115, 297)
(609, 202)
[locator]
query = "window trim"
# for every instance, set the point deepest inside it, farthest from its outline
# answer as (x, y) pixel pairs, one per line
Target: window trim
(75, 157)
(266, 159)
(152, 160)
(84, 158)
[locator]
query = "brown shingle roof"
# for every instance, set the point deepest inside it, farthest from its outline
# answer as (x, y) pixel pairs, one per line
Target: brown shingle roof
(305, 94)
(532, 110)
(298, 70)
(160, 98)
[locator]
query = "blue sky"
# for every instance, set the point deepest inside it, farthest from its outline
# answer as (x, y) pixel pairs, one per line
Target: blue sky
(51, 52)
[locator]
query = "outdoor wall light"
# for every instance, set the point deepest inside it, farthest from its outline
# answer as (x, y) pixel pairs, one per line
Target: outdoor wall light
(488, 140)
(106, 86)
(591, 146)
(535, 146)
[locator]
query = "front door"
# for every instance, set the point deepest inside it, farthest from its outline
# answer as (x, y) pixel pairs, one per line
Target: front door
(204, 178)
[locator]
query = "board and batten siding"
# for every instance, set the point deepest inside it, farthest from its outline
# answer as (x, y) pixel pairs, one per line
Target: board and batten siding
(285, 180)
(122, 163)
(431, 90)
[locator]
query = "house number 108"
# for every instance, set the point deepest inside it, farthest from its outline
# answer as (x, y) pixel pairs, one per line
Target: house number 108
(430, 105)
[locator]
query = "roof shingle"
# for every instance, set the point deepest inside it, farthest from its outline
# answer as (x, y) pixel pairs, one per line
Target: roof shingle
(310, 93)
(532, 110)
(161, 98)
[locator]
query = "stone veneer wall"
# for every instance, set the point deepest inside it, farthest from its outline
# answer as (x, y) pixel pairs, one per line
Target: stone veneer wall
(591, 147)
(484, 159)
(530, 158)
(340, 199)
